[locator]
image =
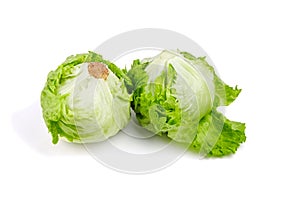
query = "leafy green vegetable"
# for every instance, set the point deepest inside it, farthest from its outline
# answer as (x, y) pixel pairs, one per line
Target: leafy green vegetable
(85, 99)
(177, 94)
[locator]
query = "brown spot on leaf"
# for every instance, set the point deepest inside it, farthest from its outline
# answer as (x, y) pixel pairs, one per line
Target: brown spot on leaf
(98, 70)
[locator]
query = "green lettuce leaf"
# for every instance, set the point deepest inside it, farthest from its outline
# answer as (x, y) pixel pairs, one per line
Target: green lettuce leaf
(218, 136)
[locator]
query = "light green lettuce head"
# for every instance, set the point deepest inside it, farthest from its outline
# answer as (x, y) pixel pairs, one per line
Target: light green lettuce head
(85, 99)
(177, 94)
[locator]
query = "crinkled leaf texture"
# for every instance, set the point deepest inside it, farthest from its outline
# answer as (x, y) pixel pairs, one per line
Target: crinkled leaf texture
(177, 94)
(83, 109)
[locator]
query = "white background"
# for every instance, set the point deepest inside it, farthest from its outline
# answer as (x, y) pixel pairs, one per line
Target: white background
(254, 44)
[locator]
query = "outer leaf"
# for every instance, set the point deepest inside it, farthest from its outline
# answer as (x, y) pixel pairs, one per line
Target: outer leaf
(217, 136)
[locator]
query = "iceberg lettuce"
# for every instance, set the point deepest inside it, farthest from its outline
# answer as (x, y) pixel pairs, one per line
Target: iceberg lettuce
(85, 99)
(177, 95)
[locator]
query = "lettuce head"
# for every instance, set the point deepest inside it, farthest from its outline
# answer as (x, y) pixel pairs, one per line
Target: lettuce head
(177, 95)
(85, 99)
